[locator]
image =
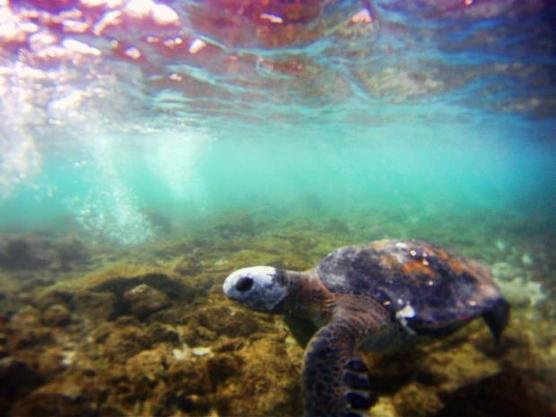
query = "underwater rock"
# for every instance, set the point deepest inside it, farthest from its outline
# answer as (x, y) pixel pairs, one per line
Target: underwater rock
(271, 383)
(31, 337)
(417, 400)
(118, 285)
(3, 346)
(500, 245)
(52, 360)
(451, 369)
(526, 259)
(420, 382)
(62, 398)
(507, 394)
(98, 306)
(522, 293)
(191, 388)
(148, 365)
(33, 253)
(201, 355)
(160, 332)
(26, 318)
(119, 342)
(16, 378)
(30, 254)
(206, 323)
(72, 253)
(504, 271)
(36, 283)
(51, 297)
(156, 382)
(188, 265)
(384, 407)
(56, 315)
(144, 300)
(146, 294)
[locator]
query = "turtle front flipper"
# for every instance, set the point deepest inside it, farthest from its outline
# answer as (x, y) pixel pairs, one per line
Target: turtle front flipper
(334, 379)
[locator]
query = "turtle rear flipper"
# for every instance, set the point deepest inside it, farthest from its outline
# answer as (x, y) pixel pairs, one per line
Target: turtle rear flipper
(497, 317)
(335, 380)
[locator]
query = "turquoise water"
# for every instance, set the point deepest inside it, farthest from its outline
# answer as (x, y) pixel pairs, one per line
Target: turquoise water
(110, 184)
(244, 131)
(428, 109)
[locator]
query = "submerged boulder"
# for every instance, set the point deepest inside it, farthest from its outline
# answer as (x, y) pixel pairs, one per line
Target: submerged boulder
(16, 378)
(56, 315)
(18, 254)
(98, 306)
(34, 253)
(257, 381)
(144, 300)
(188, 265)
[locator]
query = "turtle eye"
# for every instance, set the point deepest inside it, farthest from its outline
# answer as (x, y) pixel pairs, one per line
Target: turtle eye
(244, 284)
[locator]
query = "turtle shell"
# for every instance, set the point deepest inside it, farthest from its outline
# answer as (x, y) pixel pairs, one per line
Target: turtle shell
(422, 285)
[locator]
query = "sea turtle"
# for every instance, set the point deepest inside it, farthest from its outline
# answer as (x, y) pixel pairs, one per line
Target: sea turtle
(382, 296)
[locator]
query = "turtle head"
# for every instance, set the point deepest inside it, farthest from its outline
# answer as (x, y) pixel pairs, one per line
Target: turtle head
(261, 288)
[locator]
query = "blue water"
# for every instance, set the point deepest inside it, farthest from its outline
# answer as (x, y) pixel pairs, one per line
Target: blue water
(431, 108)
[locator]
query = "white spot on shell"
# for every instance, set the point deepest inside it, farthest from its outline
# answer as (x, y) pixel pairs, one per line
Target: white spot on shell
(412, 252)
(406, 312)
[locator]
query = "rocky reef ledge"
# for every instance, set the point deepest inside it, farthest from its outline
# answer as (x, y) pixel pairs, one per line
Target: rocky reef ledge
(149, 333)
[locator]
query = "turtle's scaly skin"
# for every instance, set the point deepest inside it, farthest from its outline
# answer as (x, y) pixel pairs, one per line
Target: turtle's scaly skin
(382, 296)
